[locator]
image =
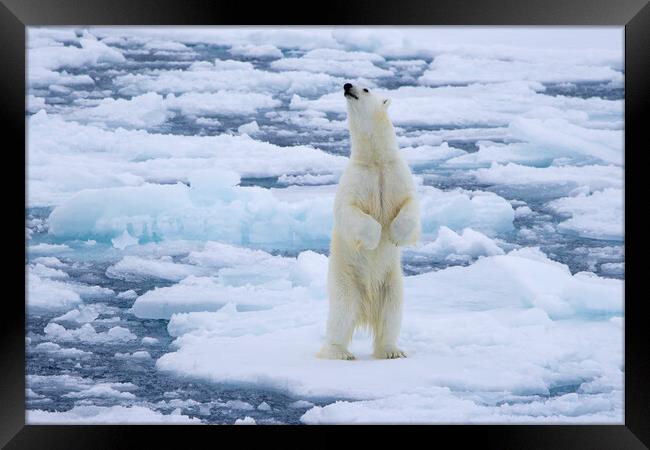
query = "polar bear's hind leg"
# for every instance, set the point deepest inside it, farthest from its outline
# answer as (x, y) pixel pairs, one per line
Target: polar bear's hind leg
(341, 322)
(388, 318)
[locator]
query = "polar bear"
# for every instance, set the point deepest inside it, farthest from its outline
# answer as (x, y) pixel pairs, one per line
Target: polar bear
(375, 212)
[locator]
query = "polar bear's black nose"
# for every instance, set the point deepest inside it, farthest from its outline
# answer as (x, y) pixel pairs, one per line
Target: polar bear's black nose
(347, 87)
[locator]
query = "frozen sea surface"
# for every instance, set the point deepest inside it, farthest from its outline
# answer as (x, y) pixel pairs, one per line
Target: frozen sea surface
(180, 187)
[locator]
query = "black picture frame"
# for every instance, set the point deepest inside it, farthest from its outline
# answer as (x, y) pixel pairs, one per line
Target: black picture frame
(634, 15)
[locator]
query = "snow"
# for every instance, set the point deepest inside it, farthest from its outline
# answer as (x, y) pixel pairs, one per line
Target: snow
(492, 317)
(107, 415)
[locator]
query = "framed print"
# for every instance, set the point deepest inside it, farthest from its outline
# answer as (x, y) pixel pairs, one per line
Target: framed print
(380, 216)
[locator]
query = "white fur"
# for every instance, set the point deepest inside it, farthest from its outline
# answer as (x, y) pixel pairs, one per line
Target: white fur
(375, 212)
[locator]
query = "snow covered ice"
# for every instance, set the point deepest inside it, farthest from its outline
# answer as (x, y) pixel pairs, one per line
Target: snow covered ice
(179, 210)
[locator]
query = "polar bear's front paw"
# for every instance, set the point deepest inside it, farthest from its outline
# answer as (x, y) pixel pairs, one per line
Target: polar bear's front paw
(390, 352)
(403, 230)
(370, 234)
(332, 351)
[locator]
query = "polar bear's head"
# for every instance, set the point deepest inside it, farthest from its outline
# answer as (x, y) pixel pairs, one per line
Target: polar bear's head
(367, 112)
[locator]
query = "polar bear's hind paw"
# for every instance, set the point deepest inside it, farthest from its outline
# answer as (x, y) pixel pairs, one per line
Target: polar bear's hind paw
(389, 353)
(335, 352)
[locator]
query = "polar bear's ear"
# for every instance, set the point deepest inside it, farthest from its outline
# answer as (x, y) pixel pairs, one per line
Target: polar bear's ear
(386, 103)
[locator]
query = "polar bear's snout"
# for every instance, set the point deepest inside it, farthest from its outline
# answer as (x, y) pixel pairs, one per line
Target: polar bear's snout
(348, 91)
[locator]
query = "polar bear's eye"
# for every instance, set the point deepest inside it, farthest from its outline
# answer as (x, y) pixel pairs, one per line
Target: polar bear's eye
(365, 90)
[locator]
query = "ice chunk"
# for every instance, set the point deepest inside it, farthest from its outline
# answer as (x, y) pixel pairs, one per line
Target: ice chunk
(596, 216)
(435, 407)
(107, 415)
(67, 157)
(448, 244)
(301, 404)
(592, 177)
(350, 68)
(143, 111)
(135, 356)
(426, 155)
(100, 391)
(46, 272)
(245, 421)
(224, 75)
(256, 51)
(238, 404)
(50, 261)
(220, 103)
(57, 351)
(457, 69)
(149, 340)
(263, 407)
(128, 295)
(250, 128)
(44, 61)
(497, 105)
(206, 294)
(613, 268)
(457, 209)
(166, 45)
(135, 269)
(44, 294)
(48, 249)
(87, 333)
(240, 215)
(83, 314)
(124, 240)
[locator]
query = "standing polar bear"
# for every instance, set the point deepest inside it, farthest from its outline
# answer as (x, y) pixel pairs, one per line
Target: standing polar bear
(375, 212)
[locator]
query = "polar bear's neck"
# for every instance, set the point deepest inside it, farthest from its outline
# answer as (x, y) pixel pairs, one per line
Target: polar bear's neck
(374, 145)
